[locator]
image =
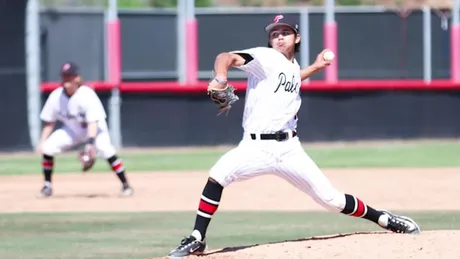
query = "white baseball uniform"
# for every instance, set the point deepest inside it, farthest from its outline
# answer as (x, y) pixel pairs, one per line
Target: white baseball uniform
(272, 102)
(75, 112)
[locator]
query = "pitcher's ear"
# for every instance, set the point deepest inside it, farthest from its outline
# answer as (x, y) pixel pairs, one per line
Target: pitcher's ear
(297, 38)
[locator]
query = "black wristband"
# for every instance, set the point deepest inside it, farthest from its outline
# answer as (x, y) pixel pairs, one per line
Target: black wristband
(90, 141)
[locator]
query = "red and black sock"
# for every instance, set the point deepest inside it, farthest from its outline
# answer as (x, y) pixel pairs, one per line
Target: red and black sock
(47, 165)
(117, 166)
(209, 203)
(356, 208)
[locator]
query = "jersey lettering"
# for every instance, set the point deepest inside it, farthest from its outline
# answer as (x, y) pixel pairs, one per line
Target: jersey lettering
(69, 116)
(273, 91)
(289, 86)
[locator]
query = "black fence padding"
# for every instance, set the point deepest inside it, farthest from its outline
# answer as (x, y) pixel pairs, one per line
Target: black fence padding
(183, 120)
(13, 97)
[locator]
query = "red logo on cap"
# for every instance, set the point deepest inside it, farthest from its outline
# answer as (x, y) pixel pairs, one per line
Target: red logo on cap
(65, 67)
(278, 18)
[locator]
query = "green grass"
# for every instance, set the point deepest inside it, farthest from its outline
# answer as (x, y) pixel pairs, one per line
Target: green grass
(144, 235)
(440, 154)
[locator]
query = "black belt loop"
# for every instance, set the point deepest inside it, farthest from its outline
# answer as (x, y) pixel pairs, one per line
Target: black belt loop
(278, 136)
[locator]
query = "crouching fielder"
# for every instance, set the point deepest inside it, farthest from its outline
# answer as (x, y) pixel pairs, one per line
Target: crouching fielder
(83, 119)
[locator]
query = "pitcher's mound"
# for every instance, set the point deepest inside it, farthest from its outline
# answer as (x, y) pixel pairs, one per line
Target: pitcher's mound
(429, 244)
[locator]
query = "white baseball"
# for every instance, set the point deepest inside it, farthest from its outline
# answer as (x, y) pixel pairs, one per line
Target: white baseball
(328, 55)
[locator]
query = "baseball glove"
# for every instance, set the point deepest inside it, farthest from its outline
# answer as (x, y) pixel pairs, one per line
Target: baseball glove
(87, 157)
(223, 98)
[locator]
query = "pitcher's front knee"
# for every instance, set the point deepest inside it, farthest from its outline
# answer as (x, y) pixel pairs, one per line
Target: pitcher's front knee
(334, 201)
(222, 177)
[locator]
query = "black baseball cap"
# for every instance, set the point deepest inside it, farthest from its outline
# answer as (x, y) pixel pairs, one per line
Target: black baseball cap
(282, 19)
(69, 68)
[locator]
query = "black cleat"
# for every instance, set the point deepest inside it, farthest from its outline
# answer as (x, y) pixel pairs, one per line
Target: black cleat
(126, 190)
(188, 246)
(401, 224)
(45, 192)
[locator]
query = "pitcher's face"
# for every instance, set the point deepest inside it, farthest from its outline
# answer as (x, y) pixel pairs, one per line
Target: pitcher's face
(283, 39)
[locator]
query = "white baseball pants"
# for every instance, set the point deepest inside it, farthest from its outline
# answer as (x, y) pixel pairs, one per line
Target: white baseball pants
(286, 159)
(64, 139)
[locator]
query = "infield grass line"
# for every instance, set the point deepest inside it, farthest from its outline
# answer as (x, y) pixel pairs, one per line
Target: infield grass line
(429, 154)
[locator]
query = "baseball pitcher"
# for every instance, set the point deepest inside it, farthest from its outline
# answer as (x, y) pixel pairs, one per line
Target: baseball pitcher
(270, 144)
(83, 119)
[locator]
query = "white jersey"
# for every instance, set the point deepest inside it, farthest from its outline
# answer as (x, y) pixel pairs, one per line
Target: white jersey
(75, 112)
(273, 91)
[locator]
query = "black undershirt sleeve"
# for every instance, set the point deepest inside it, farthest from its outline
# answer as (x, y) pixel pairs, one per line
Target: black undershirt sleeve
(248, 58)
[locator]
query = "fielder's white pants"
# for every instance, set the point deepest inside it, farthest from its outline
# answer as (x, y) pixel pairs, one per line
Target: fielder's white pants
(64, 139)
(286, 159)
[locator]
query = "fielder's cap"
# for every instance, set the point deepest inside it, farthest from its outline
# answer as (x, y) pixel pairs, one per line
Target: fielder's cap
(282, 19)
(69, 68)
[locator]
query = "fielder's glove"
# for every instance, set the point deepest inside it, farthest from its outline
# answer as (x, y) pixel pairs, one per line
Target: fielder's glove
(87, 157)
(223, 98)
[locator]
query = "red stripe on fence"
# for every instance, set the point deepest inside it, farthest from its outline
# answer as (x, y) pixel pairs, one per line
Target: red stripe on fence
(176, 87)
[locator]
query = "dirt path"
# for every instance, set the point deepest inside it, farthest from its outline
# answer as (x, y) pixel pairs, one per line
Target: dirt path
(397, 189)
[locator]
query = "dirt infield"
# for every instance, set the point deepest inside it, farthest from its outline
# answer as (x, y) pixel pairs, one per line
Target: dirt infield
(395, 189)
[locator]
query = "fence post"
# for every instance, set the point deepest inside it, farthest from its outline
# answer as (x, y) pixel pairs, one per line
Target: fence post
(181, 41)
(192, 43)
(455, 42)
(427, 44)
(330, 41)
(305, 41)
(113, 57)
(33, 70)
